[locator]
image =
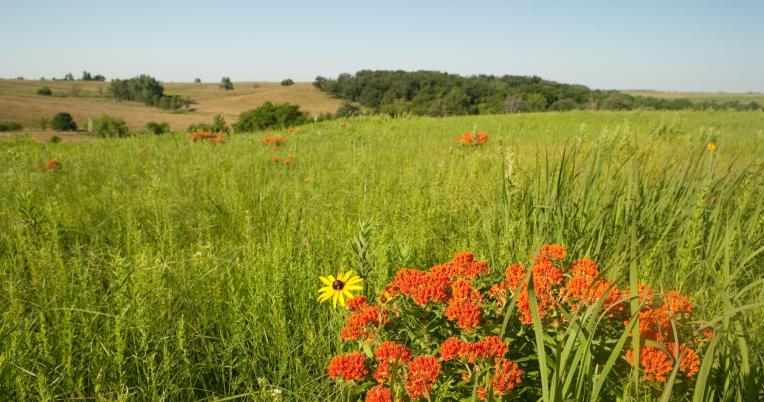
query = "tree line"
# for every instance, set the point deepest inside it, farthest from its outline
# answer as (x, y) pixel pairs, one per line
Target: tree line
(148, 90)
(441, 94)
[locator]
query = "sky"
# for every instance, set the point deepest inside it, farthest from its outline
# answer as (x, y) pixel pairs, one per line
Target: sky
(662, 45)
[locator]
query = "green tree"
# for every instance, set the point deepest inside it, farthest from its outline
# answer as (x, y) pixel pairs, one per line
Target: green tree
(226, 84)
(63, 121)
(153, 127)
(270, 115)
(107, 126)
(535, 102)
(44, 91)
(287, 82)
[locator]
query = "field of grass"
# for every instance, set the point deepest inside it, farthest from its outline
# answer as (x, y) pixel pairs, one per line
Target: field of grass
(702, 96)
(20, 103)
(188, 271)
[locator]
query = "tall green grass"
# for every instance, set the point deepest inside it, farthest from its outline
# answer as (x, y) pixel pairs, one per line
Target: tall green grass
(190, 271)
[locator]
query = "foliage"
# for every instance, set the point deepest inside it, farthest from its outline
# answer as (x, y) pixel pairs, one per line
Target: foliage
(68, 77)
(153, 127)
(189, 272)
(197, 80)
(107, 126)
(269, 115)
(148, 90)
(441, 94)
(86, 76)
(218, 126)
(44, 91)
(226, 84)
(63, 121)
(287, 82)
(9, 126)
(348, 109)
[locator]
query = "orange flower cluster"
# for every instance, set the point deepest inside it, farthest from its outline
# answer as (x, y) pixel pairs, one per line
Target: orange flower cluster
(446, 306)
(275, 140)
(478, 138)
(351, 366)
(51, 164)
(363, 321)
(449, 283)
(423, 372)
(219, 138)
(287, 161)
(506, 376)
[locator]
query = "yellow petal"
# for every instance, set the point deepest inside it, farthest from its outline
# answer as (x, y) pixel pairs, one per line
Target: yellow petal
(342, 299)
(348, 275)
(326, 289)
(347, 293)
(326, 280)
(326, 296)
(354, 280)
(335, 298)
(340, 276)
(353, 288)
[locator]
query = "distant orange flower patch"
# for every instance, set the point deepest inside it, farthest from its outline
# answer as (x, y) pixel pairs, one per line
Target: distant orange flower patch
(52, 165)
(275, 140)
(287, 161)
(209, 136)
(145, 150)
(477, 138)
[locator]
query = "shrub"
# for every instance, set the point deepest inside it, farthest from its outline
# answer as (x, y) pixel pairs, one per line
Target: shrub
(197, 80)
(348, 109)
(218, 126)
(54, 140)
(9, 126)
(226, 84)
(44, 91)
(107, 126)
(270, 115)
(287, 82)
(153, 127)
(63, 121)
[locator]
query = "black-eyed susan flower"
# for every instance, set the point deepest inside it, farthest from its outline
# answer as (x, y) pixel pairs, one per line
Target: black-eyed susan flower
(339, 288)
(711, 146)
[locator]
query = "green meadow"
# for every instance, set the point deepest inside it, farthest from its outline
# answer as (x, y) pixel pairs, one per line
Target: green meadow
(154, 268)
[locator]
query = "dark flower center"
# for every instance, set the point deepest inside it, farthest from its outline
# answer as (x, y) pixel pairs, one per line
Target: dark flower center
(338, 285)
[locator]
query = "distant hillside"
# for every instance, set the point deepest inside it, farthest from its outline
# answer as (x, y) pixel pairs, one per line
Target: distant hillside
(441, 94)
(19, 102)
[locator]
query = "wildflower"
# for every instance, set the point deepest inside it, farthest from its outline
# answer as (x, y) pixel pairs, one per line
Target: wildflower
(351, 366)
(711, 146)
(498, 293)
(217, 140)
(506, 376)
(276, 140)
(655, 363)
(289, 160)
(451, 348)
(360, 323)
(392, 352)
(433, 288)
(515, 274)
(275, 159)
(52, 164)
(464, 306)
(145, 150)
(423, 372)
(379, 393)
(339, 288)
(584, 268)
(486, 348)
(690, 363)
(678, 304)
(405, 281)
(357, 303)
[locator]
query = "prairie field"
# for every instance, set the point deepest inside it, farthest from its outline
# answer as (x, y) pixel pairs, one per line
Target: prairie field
(155, 268)
(88, 99)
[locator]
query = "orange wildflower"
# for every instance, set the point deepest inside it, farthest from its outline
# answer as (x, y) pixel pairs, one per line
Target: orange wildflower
(276, 140)
(654, 362)
(678, 304)
(423, 372)
(486, 348)
(289, 160)
(464, 306)
(52, 164)
(451, 348)
(351, 366)
(145, 150)
(361, 323)
(379, 393)
(357, 303)
(690, 363)
(275, 159)
(506, 376)
(389, 351)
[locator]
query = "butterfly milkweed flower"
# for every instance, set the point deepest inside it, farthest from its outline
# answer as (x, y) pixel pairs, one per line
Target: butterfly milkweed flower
(351, 366)
(379, 393)
(339, 288)
(423, 372)
(52, 165)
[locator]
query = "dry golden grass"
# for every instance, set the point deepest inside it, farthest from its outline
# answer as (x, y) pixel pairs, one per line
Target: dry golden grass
(20, 103)
(703, 96)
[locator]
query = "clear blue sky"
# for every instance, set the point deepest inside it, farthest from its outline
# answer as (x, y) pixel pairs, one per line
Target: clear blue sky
(666, 45)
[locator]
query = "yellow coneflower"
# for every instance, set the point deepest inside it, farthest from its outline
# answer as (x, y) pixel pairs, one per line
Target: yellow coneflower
(711, 146)
(339, 288)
